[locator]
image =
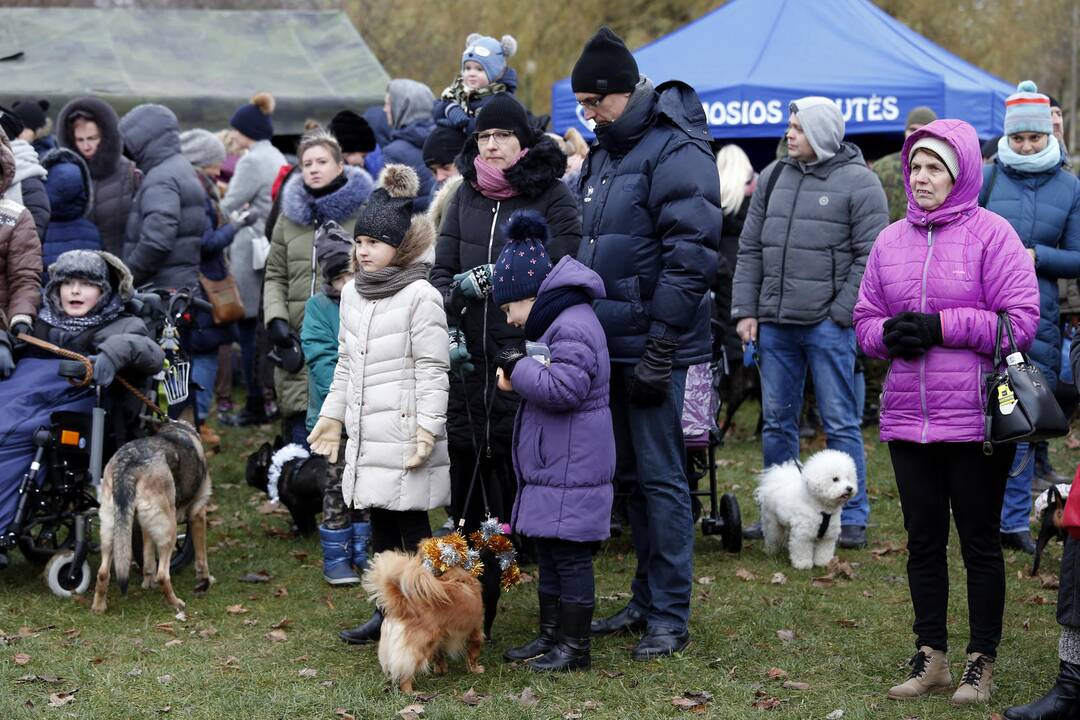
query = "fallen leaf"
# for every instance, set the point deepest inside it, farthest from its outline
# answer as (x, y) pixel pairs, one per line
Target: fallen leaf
(281, 592)
(329, 602)
(471, 697)
(766, 703)
(165, 710)
(746, 575)
(411, 712)
(344, 714)
(846, 623)
(24, 632)
(705, 580)
(276, 636)
(61, 699)
(776, 673)
(300, 555)
(232, 662)
(47, 679)
(134, 672)
(527, 698)
(281, 624)
(425, 697)
(694, 701)
(785, 635)
(74, 633)
(21, 658)
(612, 674)
(1049, 582)
(208, 632)
(835, 714)
(166, 628)
(174, 642)
(778, 579)
(571, 715)
(262, 576)
(793, 685)
(825, 581)
(590, 705)
(308, 672)
(164, 679)
(237, 609)
(271, 508)
(842, 568)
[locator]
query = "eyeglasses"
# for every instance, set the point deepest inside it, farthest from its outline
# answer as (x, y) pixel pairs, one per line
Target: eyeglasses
(591, 103)
(499, 136)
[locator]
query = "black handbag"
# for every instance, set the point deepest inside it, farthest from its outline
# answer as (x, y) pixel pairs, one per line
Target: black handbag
(1020, 406)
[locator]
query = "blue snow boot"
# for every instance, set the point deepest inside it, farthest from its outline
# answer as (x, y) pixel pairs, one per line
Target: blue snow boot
(337, 556)
(361, 533)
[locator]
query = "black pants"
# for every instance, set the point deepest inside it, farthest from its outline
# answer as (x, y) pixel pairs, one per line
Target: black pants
(398, 529)
(932, 479)
(566, 570)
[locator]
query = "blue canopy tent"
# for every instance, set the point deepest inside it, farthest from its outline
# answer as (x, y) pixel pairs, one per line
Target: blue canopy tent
(750, 58)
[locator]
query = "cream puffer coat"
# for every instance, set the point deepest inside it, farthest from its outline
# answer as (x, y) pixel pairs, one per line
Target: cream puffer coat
(391, 376)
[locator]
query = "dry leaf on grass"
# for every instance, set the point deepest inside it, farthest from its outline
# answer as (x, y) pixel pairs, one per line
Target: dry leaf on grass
(793, 685)
(425, 697)
(411, 712)
(571, 715)
(329, 602)
(825, 581)
(835, 714)
(776, 673)
(300, 555)
(692, 701)
(276, 636)
(281, 624)
(47, 679)
(237, 609)
(164, 679)
(261, 576)
(208, 632)
(174, 642)
(20, 658)
(785, 635)
(611, 674)
(527, 698)
(344, 714)
(778, 578)
(166, 628)
(231, 663)
(72, 633)
(281, 592)
(1049, 582)
(847, 623)
(61, 699)
(308, 672)
(746, 575)
(705, 580)
(471, 697)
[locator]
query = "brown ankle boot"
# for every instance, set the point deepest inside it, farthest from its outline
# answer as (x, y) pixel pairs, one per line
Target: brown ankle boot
(929, 674)
(977, 682)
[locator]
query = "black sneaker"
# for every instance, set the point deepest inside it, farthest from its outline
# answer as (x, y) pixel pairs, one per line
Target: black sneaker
(753, 532)
(852, 537)
(1018, 541)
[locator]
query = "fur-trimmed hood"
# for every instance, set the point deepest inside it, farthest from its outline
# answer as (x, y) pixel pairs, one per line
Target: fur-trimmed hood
(71, 190)
(302, 207)
(106, 160)
(542, 166)
(441, 202)
(7, 164)
(120, 279)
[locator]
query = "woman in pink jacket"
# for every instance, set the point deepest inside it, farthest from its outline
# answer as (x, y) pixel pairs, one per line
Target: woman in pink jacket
(933, 286)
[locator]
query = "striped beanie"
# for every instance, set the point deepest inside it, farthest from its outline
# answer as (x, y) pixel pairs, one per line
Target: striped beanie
(1027, 110)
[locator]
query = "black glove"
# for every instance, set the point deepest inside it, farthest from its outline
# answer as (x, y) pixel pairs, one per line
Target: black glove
(508, 358)
(910, 334)
(652, 375)
(104, 370)
(279, 332)
(7, 361)
(19, 328)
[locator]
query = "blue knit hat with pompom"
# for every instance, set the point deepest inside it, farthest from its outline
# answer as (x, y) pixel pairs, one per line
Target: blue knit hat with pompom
(1027, 110)
(523, 263)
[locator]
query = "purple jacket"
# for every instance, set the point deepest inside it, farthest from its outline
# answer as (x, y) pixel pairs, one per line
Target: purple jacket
(564, 444)
(964, 263)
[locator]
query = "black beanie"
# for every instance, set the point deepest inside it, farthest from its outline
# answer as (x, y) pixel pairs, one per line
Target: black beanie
(605, 66)
(352, 132)
(443, 145)
(32, 113)
(10, 123)
(503, 112)
(387, 213)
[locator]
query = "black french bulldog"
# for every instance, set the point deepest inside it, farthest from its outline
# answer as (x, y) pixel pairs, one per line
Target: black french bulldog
(300, 485)
(1050, 527)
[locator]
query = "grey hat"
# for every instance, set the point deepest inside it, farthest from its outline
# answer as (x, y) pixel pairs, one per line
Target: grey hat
(202, 148)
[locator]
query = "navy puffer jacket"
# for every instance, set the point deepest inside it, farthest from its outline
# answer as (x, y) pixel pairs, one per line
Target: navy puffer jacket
(651, 223)
(71, 198)
(1044, 209)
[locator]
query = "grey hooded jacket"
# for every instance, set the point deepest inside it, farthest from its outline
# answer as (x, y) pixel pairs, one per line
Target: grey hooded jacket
(801, 259)
(167, 219)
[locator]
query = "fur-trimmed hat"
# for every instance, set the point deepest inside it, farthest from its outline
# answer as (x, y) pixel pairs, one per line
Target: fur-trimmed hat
(523, 263)
(253, 119)
(492, 54)
(385, 216)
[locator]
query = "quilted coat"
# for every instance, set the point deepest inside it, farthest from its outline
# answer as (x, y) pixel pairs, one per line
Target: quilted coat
(20, 251)
(964, 263)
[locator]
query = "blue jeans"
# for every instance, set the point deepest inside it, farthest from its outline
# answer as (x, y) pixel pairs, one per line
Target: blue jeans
(651, 461)
(203, 373)
(785, 352)
(1016, 510)
(246, 332)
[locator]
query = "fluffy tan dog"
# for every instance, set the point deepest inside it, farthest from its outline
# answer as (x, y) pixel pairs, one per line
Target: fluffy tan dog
(426, 619)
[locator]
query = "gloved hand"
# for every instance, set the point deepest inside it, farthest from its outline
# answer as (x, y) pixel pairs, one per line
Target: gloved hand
(425, 443)
(460, 359)
(244, 218)
(456, 114)
(325, 438)
(475, 284)
(104, 370)
(7, 360)
(508, 358)
(652, 375)
(910, 334)
(279, 332)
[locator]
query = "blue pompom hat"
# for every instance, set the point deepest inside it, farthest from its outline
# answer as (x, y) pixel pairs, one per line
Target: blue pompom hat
(1027, 110)
(492, 54)
(523, 263)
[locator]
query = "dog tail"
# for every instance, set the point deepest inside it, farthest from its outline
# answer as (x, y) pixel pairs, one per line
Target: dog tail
(394, 578)
(123, 517)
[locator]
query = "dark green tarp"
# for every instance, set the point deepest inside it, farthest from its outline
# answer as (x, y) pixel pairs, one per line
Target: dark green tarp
(201, 63)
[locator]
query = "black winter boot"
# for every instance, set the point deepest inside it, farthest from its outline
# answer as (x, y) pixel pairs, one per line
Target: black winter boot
(549, 625)
(1061, 703)
(571, 652)
(368, 632)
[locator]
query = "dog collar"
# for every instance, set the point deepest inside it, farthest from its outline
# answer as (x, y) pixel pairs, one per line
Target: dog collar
(824, 526)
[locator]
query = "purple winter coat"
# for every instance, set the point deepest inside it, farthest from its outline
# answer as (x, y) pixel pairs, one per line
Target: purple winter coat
(964, 263)
(564, 444)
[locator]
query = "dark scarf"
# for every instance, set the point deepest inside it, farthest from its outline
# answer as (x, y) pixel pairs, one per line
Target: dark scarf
(330, 187)
(549, 305)
(390, 280)
(108, 308)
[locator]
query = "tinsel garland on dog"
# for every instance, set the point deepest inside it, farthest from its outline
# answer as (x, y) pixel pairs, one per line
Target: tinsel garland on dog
(454, 550)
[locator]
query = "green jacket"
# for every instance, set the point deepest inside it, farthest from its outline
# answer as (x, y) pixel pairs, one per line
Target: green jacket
(319, 338)
(890, 171)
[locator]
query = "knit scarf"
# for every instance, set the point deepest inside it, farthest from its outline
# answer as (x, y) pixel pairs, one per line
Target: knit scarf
(491, 182)
(461, 95)
(1047, 159)
(107, 309)
(390, 280)
(548, 306)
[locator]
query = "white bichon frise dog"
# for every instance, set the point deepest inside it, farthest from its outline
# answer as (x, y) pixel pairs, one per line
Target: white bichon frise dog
(800, 507)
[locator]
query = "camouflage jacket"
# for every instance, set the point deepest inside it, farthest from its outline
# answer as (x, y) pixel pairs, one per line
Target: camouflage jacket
(891, 173)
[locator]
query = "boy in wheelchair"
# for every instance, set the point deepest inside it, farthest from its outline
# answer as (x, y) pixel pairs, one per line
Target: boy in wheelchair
(85, 309)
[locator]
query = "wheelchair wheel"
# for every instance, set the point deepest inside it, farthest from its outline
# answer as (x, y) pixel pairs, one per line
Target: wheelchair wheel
(731, 523)
(183, 552)
(56, 571)
(42, 540)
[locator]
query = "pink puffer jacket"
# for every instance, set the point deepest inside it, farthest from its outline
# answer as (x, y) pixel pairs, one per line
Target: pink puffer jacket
(965, 263)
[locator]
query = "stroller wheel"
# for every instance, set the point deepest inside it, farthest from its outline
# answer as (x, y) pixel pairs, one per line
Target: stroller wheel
(731, 523)
(56, 575)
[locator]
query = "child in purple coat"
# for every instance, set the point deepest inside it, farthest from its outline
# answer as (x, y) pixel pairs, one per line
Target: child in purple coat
(564, 445)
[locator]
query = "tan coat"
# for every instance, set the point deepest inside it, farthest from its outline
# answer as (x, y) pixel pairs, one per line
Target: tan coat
(20, 252)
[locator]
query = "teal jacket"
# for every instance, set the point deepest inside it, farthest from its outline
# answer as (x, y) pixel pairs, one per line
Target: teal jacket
(319, 338)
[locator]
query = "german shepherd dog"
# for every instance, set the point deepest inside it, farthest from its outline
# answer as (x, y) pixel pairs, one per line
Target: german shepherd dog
(160, 478)
(301, 483)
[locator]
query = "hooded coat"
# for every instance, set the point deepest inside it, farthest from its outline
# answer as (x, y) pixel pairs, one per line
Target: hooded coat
(27, 187)
(168, 216)
(71, 199)
(20, 251)
(651, 224)
(564, 443)
(115, 177)
(410, 110)
(292, 272)
(471, 234)
(392, 376)
(1044, 210)
(205, 336)
(964, 263)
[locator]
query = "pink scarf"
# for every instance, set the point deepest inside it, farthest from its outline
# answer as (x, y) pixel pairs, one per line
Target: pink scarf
(491, 182)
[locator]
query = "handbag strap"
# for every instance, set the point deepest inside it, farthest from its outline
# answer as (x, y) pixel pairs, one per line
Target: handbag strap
(1003, 322)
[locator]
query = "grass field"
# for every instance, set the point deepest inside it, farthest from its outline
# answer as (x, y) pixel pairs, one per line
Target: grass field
(269, 650)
